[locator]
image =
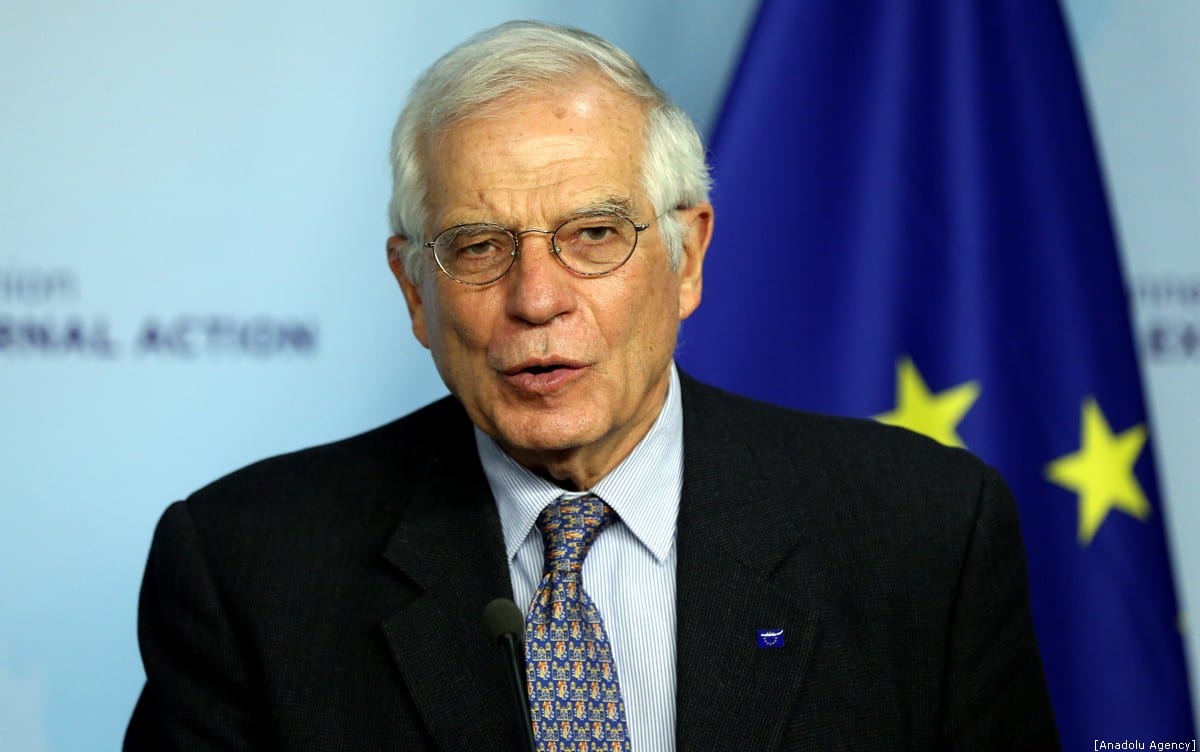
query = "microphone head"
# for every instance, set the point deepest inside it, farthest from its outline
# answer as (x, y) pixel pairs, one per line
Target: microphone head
(502, 617)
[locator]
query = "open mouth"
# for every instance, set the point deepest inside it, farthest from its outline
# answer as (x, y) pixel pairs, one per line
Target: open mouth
(542, 368)
(543, 377)
(537, 370)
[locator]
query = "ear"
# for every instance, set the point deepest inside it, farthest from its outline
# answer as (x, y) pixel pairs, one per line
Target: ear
(698, 228)
(396, 246)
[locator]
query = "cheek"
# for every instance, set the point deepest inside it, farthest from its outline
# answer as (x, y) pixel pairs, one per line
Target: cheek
(458, 325)
(649, 316)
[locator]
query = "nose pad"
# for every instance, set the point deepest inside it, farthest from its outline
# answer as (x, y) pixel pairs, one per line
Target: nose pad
(540, 287)
(521, 250)
(518, 237)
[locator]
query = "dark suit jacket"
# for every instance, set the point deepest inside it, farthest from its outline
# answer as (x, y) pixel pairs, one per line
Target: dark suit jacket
(330, 599)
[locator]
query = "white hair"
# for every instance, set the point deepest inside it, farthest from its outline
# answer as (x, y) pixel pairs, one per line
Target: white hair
(532, 57)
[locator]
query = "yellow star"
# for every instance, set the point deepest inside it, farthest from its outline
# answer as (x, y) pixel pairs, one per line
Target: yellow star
(1101, 472)
(935, 415)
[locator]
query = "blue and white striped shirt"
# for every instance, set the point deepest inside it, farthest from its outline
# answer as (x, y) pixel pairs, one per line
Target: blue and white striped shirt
(629, 572)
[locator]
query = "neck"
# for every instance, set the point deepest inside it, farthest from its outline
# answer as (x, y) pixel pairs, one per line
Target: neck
(581, 468)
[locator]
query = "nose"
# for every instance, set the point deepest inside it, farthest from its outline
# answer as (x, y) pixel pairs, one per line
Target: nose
(540, 288)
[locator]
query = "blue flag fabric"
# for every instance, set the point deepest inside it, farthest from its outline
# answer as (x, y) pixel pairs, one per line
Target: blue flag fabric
(911, 225)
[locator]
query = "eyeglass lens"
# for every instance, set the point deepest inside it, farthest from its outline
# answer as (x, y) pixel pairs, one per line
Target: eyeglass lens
(591, 244)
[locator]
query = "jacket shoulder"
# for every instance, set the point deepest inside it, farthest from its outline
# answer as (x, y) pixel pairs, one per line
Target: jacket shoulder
(850, 490)
(356, 478)
(841, 447)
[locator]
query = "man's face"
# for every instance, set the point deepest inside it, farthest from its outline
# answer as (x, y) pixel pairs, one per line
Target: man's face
(566, 372)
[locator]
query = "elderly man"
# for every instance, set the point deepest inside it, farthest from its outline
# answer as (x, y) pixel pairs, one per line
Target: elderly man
(698, 571)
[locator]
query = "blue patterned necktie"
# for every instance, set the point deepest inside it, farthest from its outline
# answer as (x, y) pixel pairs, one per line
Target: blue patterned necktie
(574, 699)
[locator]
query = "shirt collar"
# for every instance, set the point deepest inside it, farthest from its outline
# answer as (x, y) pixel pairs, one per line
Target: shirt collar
(643, 489)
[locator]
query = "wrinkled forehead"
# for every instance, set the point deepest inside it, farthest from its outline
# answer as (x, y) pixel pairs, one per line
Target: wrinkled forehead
(571, 144)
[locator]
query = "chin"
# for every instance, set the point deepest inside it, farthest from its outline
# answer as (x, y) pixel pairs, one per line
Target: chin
(547, 433)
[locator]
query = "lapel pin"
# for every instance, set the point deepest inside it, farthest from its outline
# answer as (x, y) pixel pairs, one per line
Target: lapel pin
(770, 638)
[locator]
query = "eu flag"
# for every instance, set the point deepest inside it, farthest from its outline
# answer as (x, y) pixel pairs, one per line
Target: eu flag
(912, 226)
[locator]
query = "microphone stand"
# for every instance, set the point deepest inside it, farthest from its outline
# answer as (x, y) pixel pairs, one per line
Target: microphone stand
(510, 650)
(505, 625)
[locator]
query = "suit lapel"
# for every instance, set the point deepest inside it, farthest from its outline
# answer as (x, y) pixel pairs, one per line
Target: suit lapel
(733, 535)
(449, 544)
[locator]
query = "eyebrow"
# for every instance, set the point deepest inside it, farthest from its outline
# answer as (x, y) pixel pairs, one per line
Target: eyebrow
(620, 205)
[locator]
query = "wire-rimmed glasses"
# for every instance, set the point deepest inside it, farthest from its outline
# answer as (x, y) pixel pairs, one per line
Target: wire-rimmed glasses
(591, 245)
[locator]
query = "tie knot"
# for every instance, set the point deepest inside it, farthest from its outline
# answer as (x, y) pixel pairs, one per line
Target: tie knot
(568, 528)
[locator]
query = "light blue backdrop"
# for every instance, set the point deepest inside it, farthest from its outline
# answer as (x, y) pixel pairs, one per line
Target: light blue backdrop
(192, 273)
(215, 173)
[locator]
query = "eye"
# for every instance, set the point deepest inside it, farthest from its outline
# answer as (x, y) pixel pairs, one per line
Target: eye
(597, 233)
(472, 242)
(596, 243)
(596, 230)
(477, 248)
(473, 253)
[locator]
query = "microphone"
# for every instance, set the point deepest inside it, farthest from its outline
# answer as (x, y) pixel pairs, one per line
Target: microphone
(505, 626)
